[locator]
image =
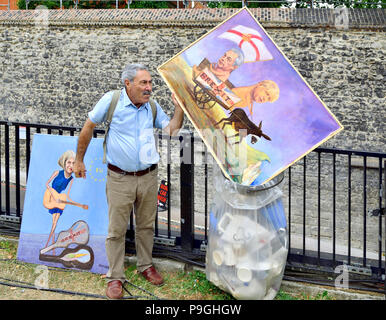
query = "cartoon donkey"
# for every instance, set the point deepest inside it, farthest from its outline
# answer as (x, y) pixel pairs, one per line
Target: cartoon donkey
(240, 121)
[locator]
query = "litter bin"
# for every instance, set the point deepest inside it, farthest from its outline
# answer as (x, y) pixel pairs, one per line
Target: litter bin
(248, 239)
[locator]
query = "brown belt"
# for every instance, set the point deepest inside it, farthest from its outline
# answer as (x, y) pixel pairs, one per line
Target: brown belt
(137, 173)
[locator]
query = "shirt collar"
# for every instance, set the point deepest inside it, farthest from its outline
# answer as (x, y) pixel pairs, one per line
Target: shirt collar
(127, 102)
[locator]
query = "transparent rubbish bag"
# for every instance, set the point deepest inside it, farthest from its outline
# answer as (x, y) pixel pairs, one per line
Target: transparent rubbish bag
(248, 239)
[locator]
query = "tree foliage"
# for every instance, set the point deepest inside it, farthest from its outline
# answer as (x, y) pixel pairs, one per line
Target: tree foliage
(92, 4)
(150, 4)
(67, 4)
(249, 4)
(357, 4)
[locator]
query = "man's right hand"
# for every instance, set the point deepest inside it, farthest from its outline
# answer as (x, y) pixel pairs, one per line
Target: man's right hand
(79, 169)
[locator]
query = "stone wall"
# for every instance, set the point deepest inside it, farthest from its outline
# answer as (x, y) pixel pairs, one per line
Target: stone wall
(54, 66)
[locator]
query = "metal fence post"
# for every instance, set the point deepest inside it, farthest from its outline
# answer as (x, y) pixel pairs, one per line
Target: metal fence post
(7, 168)
(187, 191)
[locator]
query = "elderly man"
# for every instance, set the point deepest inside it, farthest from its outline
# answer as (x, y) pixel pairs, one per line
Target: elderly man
(230, 61)
(132, 170)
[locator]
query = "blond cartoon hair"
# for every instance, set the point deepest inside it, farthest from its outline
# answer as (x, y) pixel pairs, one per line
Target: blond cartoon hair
(65, 156)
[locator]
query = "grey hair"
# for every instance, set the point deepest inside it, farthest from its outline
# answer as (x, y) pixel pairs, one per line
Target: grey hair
(240, 56)
(130, 71)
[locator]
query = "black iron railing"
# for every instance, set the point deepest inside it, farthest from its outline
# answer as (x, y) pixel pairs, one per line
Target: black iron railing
(341, 188)
(371, 212)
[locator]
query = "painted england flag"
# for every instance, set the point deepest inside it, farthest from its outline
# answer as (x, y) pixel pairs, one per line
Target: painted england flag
(250, 42)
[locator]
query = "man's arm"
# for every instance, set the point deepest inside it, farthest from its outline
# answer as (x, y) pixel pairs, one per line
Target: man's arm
(83, 142)
(178, 118)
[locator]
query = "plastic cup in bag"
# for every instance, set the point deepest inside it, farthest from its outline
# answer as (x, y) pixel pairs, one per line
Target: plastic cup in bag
(245, 268)
(236, 228)
(218, 257)
(254, 290)
(247, 241)
(278, 261)
(225, 256)
(230, 259)
(239, 250)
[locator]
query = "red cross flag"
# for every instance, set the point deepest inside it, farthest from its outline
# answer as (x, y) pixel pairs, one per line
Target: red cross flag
(250, 42)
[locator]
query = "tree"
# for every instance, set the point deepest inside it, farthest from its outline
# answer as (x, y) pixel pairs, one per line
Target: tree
(249, 4)
(358, 4)
(89, 4)
(149, 4)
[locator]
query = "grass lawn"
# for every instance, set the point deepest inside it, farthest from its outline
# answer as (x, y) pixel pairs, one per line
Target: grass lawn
(25, 281)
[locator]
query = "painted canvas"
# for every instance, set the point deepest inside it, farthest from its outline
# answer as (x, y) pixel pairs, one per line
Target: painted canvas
(65, 219)
(252, 108)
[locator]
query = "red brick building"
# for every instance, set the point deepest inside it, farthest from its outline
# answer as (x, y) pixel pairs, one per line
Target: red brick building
(4, 4)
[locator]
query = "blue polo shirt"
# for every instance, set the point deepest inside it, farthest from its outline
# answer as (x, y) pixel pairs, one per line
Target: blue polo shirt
(130, 142)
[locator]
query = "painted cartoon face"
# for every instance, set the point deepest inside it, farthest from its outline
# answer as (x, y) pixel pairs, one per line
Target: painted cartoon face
(69, 165)
(261, 94)
(140, 88)
(226, 62)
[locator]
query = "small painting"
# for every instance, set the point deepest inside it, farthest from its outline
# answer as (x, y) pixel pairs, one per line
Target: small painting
(65, 219)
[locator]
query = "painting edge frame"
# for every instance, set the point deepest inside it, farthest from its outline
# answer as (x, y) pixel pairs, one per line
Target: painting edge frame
(293, 67)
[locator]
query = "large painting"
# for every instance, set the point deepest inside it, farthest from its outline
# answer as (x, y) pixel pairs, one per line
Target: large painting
(64, 218)
(252, 108)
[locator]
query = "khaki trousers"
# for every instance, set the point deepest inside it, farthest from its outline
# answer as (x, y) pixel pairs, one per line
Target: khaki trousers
(123, 192)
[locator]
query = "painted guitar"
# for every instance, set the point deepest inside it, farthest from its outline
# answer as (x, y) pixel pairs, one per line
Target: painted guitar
(50, 203)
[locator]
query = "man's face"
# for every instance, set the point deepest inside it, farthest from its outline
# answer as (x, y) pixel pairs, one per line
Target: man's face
(226, 62)
(140, 88)
(261, 94)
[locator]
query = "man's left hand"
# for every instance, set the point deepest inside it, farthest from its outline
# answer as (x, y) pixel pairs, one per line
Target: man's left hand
(175, 102)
